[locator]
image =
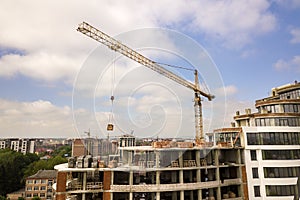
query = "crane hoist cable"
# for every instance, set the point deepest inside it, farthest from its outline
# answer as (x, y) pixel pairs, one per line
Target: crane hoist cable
(110, 124)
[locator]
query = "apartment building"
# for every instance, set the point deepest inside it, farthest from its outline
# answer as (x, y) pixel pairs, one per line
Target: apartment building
(18, 144)
(40, 185)
(271, 139)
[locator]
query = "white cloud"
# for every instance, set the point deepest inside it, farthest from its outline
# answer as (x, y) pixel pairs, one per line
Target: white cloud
(290, 65)
(35, 119)
(234, 22)
(53, 49)
(226, 90)
(296, 35)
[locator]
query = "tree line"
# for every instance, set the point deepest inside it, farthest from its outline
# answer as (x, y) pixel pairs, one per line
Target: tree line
(15, 167)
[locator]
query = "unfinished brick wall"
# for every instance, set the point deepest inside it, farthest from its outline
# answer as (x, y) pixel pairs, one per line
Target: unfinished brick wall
(61, 185)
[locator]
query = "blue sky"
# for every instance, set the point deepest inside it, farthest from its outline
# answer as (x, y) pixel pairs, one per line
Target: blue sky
(255, 45)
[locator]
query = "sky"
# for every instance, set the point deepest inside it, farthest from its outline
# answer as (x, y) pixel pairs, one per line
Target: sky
(56, 82)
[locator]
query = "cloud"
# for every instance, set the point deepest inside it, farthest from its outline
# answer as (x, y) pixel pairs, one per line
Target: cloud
(36, 119)
(295, 36)
(290, 65)
(226, 90)
(235, 23)
(53, 49)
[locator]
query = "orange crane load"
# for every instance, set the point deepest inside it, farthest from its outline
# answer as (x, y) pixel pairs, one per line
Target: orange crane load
(115, 45)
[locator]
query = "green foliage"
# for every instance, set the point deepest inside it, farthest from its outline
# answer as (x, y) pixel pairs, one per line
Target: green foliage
(16, 167)
(2, 198)
(43, 164)
(61, 151)
(21, 198)
(12, 166)
(36, 198)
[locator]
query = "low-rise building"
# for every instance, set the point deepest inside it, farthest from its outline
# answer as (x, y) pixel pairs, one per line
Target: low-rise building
(40, 185)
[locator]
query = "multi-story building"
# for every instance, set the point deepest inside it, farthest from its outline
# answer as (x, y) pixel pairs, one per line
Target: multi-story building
(271, 137)
(165, 170)
(40, 185)
(18, 144)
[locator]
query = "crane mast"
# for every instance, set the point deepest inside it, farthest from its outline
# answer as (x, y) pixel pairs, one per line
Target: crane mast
(115, 45)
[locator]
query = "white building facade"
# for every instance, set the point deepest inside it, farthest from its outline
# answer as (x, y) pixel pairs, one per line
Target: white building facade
(272, 145)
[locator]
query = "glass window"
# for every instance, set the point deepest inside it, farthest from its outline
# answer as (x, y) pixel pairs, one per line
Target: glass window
(29, 181)
(29, 188)
(36, 187)
(43, 187)
(37, 181)
(253, 154)
(256, 191)
(28, 195)
(42, 195)
(43, 181)
(255, 172)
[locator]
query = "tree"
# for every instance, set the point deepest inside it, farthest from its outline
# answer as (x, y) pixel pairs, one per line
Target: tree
(36, 198)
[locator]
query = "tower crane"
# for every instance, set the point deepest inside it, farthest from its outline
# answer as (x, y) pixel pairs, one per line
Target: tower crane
(115, 45)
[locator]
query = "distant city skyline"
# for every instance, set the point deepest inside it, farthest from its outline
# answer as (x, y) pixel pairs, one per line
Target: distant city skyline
(255, 46)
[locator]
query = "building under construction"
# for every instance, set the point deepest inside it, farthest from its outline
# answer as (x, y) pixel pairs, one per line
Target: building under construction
(165, 170)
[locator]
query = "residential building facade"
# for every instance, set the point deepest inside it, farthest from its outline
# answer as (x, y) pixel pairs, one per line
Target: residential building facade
(18, 144)
(272, 145)
(40, 185)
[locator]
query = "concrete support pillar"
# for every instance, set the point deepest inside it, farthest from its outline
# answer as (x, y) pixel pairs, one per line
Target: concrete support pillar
(157, 177)
(199, 194)
(130, 177)
(182, 195)
(157, 157)
(130, 183)
(180, 176)
(180, 159)
(83, 184)
(240, 174)
(157, 195)
(217, 153)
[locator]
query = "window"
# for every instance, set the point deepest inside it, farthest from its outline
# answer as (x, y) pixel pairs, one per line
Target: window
(280, 190)
(255, 172)
(50, 182)
(37, 181)
(43, 187)
(281, 172)
(28, 195)
(256, 191)
(42, 195)
(253, 154)
(36, 187)
(281, 154)
(43, 181)
(29, 188)
(30, 181)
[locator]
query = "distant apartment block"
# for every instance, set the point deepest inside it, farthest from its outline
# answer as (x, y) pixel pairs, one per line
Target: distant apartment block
(18, 144)
(40, 185)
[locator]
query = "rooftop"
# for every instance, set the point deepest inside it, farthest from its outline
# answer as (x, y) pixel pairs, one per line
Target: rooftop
(49, 174)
